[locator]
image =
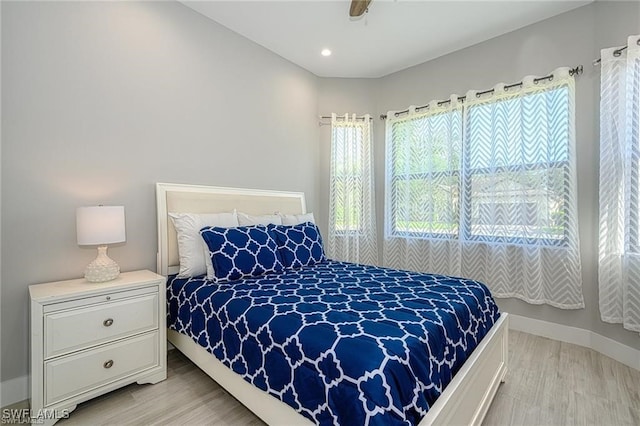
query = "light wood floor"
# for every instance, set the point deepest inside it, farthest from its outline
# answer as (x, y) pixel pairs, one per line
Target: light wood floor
(555, 383)
(549, 383)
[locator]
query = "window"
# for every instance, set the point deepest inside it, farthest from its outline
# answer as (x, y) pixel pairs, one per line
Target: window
(425, 175)
(347, 176)
(352, 226)
(517, 152)
(495, 170)
(484, 186)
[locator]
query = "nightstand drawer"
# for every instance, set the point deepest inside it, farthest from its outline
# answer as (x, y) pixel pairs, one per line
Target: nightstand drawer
(68, 376)
(76, 329)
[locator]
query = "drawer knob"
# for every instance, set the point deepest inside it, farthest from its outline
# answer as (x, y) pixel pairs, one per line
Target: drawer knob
(107, 322)
(108, 364)
(108, 297)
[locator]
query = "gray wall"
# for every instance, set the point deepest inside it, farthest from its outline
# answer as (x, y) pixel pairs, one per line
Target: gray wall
(102, 100)
(569, 39)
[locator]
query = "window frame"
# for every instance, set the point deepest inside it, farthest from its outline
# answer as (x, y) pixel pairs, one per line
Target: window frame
(428, 176)
(466, 213)
(343, 178)
(431, 235)
(463, 202)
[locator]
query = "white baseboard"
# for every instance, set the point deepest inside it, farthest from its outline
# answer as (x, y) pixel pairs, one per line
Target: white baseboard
(14, 390)
(616, 350)
(578, 336)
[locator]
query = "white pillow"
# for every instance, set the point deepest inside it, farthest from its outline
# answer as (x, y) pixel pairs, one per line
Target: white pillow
(265, 219)
(296, 219)
(193, 261)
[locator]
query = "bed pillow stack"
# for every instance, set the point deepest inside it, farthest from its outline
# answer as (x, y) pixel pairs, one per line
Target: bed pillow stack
(232, 246)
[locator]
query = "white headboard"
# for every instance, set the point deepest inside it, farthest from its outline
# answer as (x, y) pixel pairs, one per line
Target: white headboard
(179, 198)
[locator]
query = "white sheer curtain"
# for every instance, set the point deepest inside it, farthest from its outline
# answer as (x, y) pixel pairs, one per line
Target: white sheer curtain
(352, 226)
(422, 217)
(490, 190)
(619, 248)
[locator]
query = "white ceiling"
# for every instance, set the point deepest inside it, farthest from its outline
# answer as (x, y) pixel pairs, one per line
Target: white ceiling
(392, 36)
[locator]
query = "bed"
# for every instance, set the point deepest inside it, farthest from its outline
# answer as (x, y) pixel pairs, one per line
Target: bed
(466, 396)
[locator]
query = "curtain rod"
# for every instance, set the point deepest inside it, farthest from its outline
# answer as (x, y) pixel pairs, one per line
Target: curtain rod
(616, 52)
(328, 117)
(573, 71)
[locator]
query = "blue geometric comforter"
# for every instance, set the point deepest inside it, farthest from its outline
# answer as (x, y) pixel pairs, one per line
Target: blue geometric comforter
(340, 343)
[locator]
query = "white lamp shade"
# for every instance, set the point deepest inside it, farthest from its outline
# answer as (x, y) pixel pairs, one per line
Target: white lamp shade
(100, 225)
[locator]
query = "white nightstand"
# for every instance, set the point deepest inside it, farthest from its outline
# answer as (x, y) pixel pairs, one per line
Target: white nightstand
(91, 338)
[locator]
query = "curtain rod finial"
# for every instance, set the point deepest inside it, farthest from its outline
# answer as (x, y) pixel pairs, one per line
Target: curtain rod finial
(577, 70)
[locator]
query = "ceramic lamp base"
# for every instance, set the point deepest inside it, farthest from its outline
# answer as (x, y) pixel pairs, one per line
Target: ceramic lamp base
(102, 269)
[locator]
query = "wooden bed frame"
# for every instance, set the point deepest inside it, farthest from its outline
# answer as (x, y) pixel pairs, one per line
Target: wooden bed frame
(464, 401)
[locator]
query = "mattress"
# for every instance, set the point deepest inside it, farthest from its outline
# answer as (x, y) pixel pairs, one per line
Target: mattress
(341, 343)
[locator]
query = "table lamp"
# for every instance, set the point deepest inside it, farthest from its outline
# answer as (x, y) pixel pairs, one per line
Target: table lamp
(99, 226)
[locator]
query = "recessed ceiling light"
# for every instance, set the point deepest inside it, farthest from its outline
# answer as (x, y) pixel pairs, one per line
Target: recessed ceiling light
(325, 52)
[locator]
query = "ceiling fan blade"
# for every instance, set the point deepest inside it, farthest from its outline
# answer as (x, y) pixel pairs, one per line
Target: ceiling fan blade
(358, 7)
